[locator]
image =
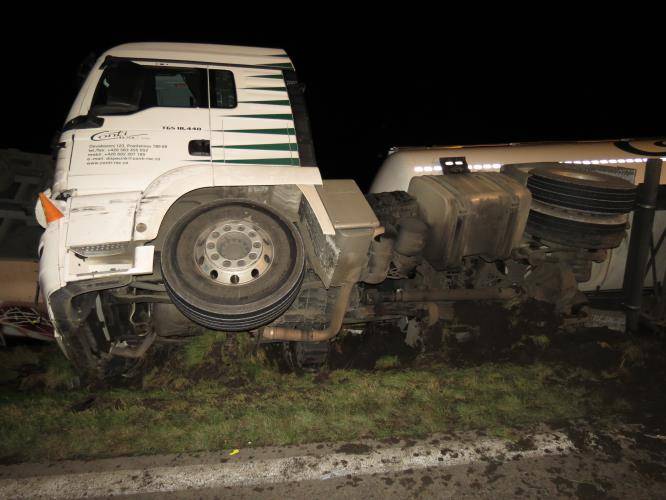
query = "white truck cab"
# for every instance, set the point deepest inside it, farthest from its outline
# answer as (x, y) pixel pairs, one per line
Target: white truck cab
(152, 123)
(147, 108)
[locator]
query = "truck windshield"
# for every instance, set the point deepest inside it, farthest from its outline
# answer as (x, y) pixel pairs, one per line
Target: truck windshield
(126, 87)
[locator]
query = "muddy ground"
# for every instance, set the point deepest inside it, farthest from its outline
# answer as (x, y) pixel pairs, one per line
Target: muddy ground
(593, 373)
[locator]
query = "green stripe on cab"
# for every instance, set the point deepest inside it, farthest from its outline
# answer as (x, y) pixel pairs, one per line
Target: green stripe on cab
(271, 89)
(278, 76)
(272, 131)
(268, 117)
(284, 146)
(275, 103)
(262, 161)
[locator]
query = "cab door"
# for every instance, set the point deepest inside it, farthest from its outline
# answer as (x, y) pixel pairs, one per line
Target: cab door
(145, 119)
(251, 118)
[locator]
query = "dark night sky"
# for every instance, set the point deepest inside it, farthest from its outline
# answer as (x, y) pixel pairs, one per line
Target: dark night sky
(375, 83)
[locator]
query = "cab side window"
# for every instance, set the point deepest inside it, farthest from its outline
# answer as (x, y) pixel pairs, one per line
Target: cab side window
(222, 89)
(177, 89)
(127, 87)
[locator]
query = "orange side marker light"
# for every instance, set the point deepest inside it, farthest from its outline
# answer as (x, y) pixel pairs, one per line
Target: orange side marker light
(51, 212)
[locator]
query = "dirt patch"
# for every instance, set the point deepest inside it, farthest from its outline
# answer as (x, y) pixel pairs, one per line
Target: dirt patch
(34, 366)
(650, 441)
(609, 446)
(517, 334)
(361, 352)
(154, 403)
(563, 485)
(524, 444)
(651, 470)
(84, 404)
(620, 371)
(354, 449)
(231, 359)
(587, 491)
(531, 332)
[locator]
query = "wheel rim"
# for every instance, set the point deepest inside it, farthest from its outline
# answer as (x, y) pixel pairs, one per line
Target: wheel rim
(233, 252)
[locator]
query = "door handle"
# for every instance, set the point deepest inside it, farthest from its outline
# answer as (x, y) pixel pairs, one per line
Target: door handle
(199, 147)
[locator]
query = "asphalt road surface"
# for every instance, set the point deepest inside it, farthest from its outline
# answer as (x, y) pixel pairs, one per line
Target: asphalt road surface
(574, 461)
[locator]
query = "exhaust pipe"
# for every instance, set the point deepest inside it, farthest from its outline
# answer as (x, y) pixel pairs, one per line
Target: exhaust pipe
(277, 333)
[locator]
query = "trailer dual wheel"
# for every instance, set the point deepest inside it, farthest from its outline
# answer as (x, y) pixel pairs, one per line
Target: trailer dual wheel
(591, 235)
(233, 265)
(580, 209)
(578, 190)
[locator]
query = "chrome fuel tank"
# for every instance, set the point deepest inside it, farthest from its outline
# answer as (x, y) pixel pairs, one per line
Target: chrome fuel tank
(470, 214)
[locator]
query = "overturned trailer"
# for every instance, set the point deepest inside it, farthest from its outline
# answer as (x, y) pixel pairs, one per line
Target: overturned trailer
(625, 159)
(186, 197)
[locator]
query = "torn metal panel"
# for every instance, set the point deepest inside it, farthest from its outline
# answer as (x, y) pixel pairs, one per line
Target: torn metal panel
(101, 219)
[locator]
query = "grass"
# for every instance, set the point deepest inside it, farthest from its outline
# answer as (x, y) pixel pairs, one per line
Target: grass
(196, 351)
(45, 368)
(12, 361)
(387, 362)
(271, 408)
(220, 392)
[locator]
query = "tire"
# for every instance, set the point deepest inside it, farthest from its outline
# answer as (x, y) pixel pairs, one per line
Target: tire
(577, 208)
(233, 265)
(574, 233)
(578, 190)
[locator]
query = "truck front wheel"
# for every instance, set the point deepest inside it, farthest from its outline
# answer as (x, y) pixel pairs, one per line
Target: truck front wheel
(233, 265)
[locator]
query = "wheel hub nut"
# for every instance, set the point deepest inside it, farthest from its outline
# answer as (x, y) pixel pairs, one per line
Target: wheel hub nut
(233, 252)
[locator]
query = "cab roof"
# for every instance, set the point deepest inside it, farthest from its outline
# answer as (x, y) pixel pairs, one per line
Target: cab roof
(203, 53)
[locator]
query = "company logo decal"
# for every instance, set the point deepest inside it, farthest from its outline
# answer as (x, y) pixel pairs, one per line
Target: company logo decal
(115, 135)
(627, 147)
